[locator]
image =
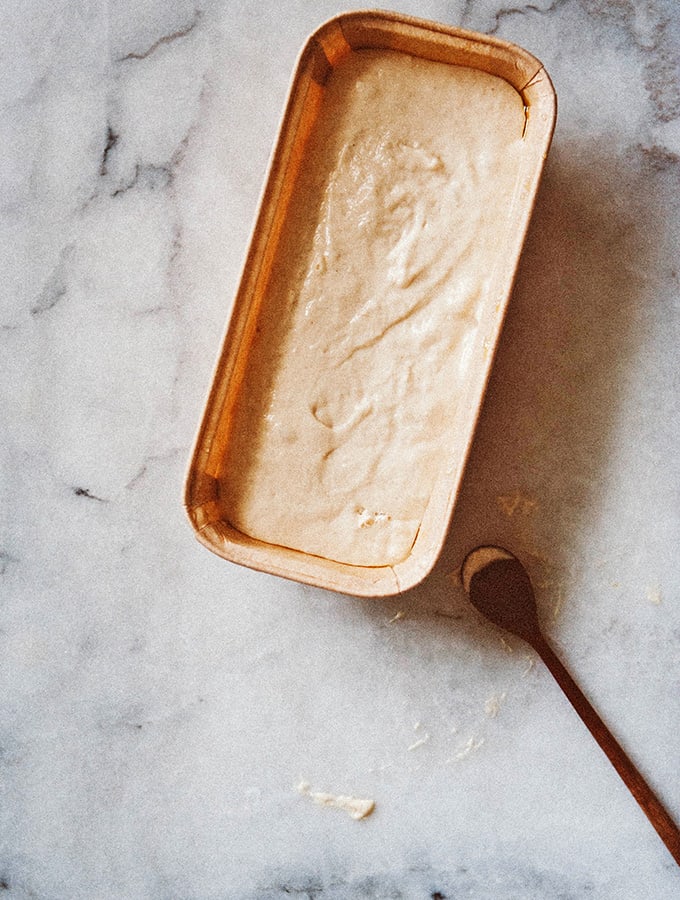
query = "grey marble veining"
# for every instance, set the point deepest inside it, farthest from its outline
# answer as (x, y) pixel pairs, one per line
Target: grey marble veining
(158, 706)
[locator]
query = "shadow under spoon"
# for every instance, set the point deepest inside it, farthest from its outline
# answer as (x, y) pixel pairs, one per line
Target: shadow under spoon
(499, 587)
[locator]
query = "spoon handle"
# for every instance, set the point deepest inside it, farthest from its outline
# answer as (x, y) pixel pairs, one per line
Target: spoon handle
(634, 781)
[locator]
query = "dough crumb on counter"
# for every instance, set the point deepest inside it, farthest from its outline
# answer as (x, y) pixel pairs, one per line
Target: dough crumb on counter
(473, 744)
(516, 503)
(559, 602)
(654, 595)
(493, 705)
(419, 742)
(356, 807)
(531, 662)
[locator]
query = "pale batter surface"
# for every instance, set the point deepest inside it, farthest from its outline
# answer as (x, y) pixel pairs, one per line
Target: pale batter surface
(344, 419)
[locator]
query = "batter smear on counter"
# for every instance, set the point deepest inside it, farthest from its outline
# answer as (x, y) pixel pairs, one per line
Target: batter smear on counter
(346, 414)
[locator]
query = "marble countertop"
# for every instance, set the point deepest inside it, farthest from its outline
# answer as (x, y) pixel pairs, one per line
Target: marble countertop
(159, 706)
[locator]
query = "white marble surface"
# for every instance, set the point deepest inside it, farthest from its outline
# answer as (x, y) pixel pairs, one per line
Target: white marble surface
(158, 706)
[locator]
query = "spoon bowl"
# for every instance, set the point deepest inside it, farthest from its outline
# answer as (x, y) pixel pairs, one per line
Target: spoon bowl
(498, 585)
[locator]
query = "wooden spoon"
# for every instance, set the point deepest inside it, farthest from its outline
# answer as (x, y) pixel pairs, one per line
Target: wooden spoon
(499, 587)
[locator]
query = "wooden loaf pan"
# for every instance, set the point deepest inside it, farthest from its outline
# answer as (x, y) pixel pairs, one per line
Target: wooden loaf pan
(362, 335)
